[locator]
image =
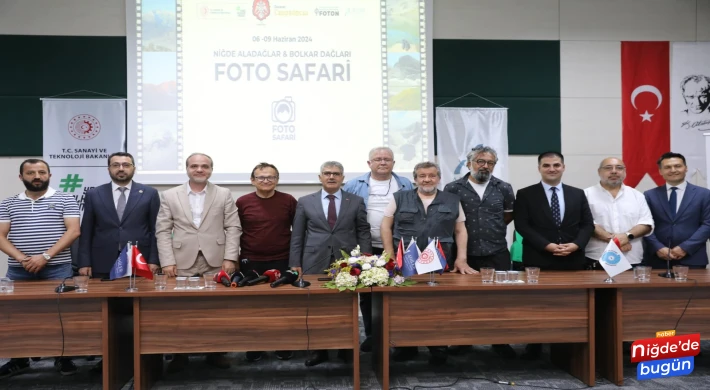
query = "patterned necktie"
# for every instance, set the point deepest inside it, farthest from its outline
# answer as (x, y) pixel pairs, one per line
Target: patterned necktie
(121, 205)
(555, 205)
(332, 216)
(673, 201)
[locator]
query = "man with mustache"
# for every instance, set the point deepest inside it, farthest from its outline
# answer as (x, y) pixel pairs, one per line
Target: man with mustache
(619, 212)
(681, 212)
(326, 222)
(426, 213)
(37, 226)
(488, 204)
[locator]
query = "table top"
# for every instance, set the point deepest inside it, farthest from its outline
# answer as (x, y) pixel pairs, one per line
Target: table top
(549, 280)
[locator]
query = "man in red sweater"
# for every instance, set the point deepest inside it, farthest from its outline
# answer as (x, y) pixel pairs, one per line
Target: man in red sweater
(266, 216)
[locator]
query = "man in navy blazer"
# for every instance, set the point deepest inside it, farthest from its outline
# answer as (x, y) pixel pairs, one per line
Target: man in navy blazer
(104, 232)
(681, 212)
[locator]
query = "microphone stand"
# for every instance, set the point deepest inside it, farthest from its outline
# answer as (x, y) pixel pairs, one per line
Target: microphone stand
(668, 273)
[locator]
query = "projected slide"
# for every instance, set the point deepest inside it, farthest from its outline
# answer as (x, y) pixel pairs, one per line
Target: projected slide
(291, 82)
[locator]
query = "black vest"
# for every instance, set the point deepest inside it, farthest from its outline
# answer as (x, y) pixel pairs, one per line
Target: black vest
(410, 220)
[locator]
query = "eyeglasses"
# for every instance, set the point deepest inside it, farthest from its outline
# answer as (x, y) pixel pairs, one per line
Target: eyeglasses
(481, 163)
(334, 174)
(380, 160)
(265, 178)
(124, 165)
(612, 167)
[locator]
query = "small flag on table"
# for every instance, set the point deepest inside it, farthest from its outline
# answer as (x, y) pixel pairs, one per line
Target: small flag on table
(613, 260)
(122, 267)
(410, 258)
(429, 260)
(138, 263)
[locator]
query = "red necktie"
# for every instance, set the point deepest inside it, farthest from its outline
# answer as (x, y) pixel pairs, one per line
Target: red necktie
(332, 216)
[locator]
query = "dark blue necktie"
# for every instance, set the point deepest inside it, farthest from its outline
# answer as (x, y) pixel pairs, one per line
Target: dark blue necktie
(555, 206)
(673, 201)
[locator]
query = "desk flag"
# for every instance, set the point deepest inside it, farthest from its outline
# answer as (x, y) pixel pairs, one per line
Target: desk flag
(442, 258)
(429, 260)
(613, 260)
(138, 263)
(121, 268)
(410, 258)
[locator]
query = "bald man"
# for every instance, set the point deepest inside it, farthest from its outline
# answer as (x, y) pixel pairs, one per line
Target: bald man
(619, 211)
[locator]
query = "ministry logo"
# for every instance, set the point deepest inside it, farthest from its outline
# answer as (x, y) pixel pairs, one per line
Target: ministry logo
(84, 127)
(261, 9)
(283, 116)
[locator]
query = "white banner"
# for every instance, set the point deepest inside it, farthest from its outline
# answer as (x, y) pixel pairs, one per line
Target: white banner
(690, 103)
(458, 130)
(79, 135)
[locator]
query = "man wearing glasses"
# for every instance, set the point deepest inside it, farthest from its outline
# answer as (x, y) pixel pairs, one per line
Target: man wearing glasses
(266, 216)
(377, 188)
(488, 205)
(115, 213)
(326, 222)
(619, 212)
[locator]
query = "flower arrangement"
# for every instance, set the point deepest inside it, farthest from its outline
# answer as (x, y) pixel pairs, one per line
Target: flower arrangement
(360, 270)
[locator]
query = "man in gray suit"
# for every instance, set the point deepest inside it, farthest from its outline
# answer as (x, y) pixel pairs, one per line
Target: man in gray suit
(326, 222)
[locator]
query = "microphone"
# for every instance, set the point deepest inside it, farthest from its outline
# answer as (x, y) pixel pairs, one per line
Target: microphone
(236, 278)
(668, 273)
(268, 277)
(223, 277)
(249, 276)
(287, 278)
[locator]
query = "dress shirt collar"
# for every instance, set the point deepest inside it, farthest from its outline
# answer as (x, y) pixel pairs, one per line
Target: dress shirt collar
(189, 190)
(338, 195)
(115, 186)
(547, 187)
(680, 187)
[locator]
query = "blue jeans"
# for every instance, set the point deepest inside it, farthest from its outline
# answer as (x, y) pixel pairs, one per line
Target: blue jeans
(49, 272)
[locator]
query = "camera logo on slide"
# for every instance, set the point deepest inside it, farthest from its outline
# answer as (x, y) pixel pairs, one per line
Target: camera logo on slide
(84, 127)
(284, 110)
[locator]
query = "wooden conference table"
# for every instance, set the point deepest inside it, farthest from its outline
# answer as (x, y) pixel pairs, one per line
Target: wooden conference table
(576, 311)
(131, 331)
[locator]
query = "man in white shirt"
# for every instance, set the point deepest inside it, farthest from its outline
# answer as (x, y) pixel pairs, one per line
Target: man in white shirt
(619, 212)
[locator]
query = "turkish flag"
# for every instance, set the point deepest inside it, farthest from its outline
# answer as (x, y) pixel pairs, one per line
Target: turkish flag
(140, 267)
(645, 108)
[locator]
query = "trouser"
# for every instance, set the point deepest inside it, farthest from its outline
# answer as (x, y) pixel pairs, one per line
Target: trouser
(366, 302)
(500, 261)
(49, 272)
(198, 268)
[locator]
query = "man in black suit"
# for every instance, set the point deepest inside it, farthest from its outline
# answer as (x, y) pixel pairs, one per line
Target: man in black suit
(115, 213)
(555, 222)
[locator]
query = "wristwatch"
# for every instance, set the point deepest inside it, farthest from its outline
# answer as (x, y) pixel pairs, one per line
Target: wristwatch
(630, 236)
(46, 256)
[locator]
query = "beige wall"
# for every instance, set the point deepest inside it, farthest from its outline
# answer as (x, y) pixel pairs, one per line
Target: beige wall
(589, 31)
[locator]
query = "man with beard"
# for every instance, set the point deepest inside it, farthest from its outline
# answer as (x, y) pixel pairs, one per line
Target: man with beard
(619, 212)
(377, 188)
(426, 213)
(198, 231)
(114, 214)
(37, 227)
(266, 216)
(488, 204)
(326, 222)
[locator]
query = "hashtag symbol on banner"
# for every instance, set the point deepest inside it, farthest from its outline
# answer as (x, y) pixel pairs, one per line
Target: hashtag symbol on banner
(70, 183)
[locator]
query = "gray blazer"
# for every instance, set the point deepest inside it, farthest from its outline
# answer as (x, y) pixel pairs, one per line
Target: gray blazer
(314, 244)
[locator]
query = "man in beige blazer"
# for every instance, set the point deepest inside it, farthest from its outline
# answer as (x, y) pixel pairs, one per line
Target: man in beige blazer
(197, 231)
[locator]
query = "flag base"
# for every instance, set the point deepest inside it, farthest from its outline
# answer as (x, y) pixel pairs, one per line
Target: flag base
(432, 282)
(609, 280)
(131, 289)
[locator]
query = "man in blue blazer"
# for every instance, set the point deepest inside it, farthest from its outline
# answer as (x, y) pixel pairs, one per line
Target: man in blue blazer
(115, 213)
(681, 212)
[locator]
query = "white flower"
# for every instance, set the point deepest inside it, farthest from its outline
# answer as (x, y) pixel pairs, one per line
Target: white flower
(375, 276)
(355, 252)
(366, 266)
(372, 258)
(399, 279)
(344, 279)
(353, 260)
(380, 263)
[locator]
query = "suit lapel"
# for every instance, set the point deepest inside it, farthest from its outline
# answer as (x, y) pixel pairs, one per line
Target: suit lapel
(662, 197)
(345, 203)
(106, 196)
(185, 204)
(210, 196)
(568, 201)
(318, 204)
(546, 204)
(687, 199)
(133, 198)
